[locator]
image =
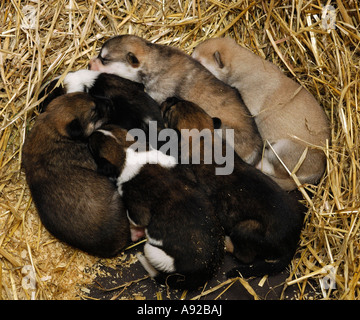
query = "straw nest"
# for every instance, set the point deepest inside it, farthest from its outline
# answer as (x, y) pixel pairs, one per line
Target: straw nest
(42, 39)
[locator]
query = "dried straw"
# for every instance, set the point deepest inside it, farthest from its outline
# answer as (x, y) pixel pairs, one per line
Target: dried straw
(42, 39)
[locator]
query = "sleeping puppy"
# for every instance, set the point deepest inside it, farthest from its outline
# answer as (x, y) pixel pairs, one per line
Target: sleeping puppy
(131, 107)
(166, 71)
(185, 242)
(75, 203)
(288, 116)
(262, 222)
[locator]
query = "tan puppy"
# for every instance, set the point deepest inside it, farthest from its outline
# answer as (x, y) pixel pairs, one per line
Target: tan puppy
(75, 203)
(288, 117)
(166, 71)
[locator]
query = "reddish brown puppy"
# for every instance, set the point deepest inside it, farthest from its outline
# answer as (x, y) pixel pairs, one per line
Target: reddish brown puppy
(75, 203)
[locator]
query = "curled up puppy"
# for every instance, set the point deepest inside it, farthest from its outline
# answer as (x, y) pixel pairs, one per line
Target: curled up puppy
(288, 117)
(262, 222)
(185, 242)
(166, 71)
(75, 203)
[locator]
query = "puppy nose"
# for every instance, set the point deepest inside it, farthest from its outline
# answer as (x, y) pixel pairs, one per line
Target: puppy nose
(90, 63)
(93, 64)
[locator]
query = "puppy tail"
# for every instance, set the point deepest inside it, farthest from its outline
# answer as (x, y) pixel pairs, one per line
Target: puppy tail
(182, 282)
(259, 268)
(50, 92)
(190, 281)
(256, 254)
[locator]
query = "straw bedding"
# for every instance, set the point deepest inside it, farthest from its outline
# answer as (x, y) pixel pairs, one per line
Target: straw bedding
(42, 39)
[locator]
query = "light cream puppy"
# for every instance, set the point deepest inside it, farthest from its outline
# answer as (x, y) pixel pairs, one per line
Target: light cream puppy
(166, 71)
(288, 117)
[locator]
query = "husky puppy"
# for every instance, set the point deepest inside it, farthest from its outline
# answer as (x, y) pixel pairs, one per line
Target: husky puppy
(166, 71)
(262, 222)
(75, 203)
(185, 242)
(288, 117)
(131, 107)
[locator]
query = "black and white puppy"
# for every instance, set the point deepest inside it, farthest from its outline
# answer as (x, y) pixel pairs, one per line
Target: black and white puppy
(75, 203)
(132, 107)
(262, 222)
(185, 242)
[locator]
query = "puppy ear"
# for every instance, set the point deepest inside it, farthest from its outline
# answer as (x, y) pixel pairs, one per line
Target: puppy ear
(217, 58)
(166, 106)
(75, 130)
(51, 92)
(104, 166)
(132, 59)
(216, 122)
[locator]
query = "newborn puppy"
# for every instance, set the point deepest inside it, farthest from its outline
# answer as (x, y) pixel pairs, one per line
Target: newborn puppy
(166, 71)
(75, 203)
(185, 242)
(262, 222)
(288, 117)
(131, 107)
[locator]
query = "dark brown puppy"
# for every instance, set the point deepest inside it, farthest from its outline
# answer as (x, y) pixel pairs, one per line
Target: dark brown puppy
(262, 222)
(75, 203)
(166, 71)
(185, 244)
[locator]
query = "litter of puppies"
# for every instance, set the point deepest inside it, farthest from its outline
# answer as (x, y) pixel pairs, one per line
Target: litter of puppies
(310, 198)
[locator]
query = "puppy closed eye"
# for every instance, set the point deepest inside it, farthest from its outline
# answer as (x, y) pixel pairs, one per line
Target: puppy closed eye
(103, 60)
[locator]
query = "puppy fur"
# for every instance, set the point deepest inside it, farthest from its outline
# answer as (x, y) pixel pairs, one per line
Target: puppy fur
(75, 203)
(185, 242)
(166, 71)
(131, 107)
(287, 115)
(262, 222)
